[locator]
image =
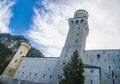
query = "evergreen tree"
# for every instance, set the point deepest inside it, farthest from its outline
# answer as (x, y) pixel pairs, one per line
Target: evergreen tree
(73, 71)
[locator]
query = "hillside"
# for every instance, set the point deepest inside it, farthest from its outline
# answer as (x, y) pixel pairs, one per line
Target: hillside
(9, 45)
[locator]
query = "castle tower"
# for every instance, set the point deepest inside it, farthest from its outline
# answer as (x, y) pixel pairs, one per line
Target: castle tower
(16, 60)
(76, 40)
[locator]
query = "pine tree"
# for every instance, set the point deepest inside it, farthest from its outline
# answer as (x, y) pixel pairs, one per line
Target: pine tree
(73, 71)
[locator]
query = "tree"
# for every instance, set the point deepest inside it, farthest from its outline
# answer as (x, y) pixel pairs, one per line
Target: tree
(73, 71)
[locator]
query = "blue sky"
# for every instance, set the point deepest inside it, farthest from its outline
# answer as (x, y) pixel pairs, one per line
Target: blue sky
(22, 14)
(45, 22)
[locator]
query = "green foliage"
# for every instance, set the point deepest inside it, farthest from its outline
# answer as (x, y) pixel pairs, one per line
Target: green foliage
(34, 53)
(4, 53)
(73, 71)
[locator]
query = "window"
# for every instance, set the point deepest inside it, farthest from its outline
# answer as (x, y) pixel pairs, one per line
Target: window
(91, 82)
(81, 20)
(77, 34)
(98, 56)
(60, 76)
(76, 22)
(15, 61)
(22, 72)
(64, 62)
(30, 73)
(108, 76)
(116, 77)
(113, 59)
(119, 67)
(78, 27)
(23, 66)
(17, 72)
(76, 41)
(21, 52)
(43, 75)
(50, 76)
(72, 22)
(10, 71)
(35, 74)
(103, 52)
(109, 68)
(91, 60)
(105, 60)
(92, 71)
(48, 68)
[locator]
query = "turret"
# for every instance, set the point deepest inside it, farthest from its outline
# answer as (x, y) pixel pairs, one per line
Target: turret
(16, 60)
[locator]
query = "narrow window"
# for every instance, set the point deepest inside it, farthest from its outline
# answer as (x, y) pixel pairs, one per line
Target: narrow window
(92, 71)
(64, 62)
(116, 77)
(109, 68)
(81, 20)
(21, 52)
(77, 34)
(108, 76)
(103, 52)
(35, 74)
(10, 71)
(91, 82)
(43, 75)
(60, 76)
(91, 60)
(17, 72)
(76, 22)
(50, 76)
(72, 22)
(30, 73)
(86, 54)
(98, 56)
(76, 41)
(15, 61)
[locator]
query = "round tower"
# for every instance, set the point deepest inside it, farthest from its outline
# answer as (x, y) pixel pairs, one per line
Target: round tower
(16, 60)
(76, 40)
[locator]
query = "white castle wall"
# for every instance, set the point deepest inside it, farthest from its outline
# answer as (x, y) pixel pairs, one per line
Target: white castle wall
(108, 61)
(39, 70)
(36, 69)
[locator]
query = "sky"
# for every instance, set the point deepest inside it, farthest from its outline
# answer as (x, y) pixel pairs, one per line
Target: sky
(45, 22)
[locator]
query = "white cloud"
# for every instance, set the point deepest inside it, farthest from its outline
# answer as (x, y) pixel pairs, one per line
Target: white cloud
(50, 27)
(5, 15)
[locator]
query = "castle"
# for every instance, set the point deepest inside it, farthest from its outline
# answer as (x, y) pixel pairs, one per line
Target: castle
(101, 66)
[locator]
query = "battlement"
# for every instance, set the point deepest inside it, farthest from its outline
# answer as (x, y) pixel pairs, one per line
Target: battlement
(26, 44)
(81, 13)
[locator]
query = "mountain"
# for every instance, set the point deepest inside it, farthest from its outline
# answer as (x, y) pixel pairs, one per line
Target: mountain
(9, 45)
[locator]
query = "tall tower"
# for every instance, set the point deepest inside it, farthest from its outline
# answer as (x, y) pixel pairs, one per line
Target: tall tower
(76, 40)
(16, 60)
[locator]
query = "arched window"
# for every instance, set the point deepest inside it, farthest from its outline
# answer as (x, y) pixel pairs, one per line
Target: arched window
(76, 22)
(81, 20)
(72, 22)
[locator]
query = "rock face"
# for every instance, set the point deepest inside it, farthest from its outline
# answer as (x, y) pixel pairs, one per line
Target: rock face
(9, 44)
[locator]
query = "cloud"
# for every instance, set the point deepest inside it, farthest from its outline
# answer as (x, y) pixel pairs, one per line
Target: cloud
(5, 15)
(50, 25)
